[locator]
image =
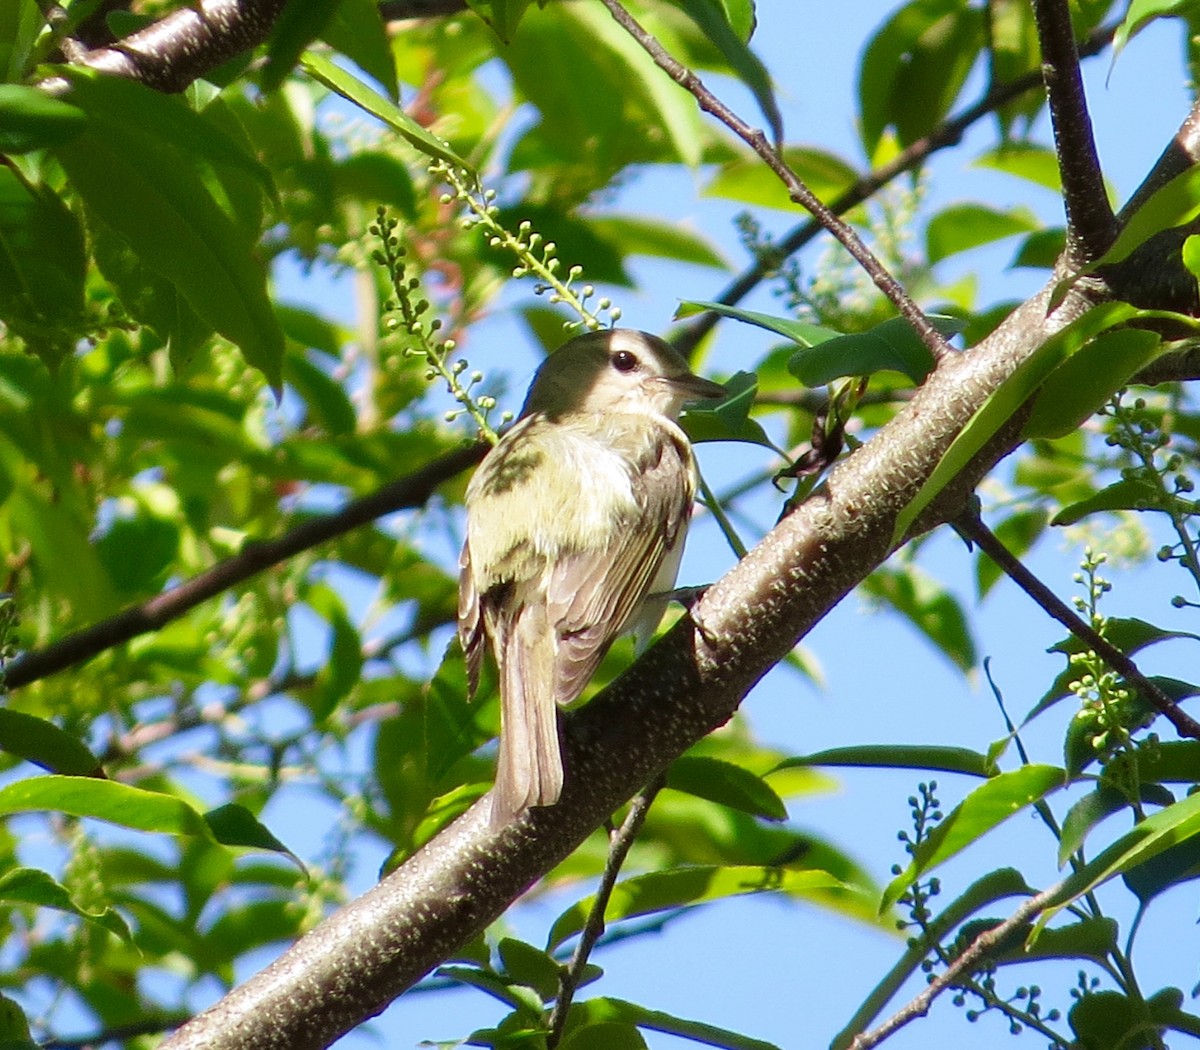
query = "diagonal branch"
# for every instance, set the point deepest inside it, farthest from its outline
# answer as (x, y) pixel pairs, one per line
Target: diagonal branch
(947, 134)
(974, 529)
(799, 192)
(404, 493)
(1090, 224)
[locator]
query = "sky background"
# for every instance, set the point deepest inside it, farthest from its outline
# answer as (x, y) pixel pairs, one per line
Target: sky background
(789, 973)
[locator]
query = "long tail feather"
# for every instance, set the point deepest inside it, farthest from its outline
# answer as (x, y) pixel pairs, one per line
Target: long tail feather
(529, 770)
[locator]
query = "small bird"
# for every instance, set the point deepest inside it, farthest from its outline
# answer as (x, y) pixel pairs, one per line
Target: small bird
(574, 520)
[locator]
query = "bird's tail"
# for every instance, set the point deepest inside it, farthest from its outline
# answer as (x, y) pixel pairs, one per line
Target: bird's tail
(529, 770)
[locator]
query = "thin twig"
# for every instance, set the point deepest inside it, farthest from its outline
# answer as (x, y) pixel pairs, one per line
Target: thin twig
(404, 493)
(1090, 223)
(972, 526)
(945, 135)
(620, 840)
(797, 190)
(964, 963)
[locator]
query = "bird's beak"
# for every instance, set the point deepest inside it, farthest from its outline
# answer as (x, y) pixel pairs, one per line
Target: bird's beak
(693, 388)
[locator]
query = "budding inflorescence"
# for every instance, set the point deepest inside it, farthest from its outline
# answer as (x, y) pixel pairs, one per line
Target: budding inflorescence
(536, 257)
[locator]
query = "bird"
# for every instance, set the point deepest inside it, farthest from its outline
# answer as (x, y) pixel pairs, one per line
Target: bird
(575, 526)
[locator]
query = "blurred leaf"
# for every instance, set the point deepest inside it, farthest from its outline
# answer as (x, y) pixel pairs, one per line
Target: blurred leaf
(375, 177)
(747, 179)
(964, 226)
(502, 15)
(900, 756)
(1085, 814)
(1017, 532)
(31, 119)
(31, 886)
(685, 887)
(1025, 160)
(1141, 13)
(1041, 250)
(366, 98)
(987, 806)
(138, 551)
(1084, 382)
(1127, 494)
(638, 235)
(298, 25)
(712, 17)
(924, 51)
(20, 23)
(45, 744)
(726, 783)
(357, 31)
(328, 403)
(929, 607)
(42, 267)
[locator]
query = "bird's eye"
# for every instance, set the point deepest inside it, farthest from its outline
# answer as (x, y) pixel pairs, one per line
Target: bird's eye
(624, 361)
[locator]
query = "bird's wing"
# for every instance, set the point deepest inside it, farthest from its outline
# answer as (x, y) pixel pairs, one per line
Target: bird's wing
(470, 620)
(592, 596)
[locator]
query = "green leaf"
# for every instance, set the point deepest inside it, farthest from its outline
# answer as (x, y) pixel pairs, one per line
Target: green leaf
(730, 419)
(357, 31)
(988, 806)
(31, 119)
(712, 18)
(892, 346)
(1041, 250)
(726, 783)
(21, 21)
(1168, 827)
(997, 885)
(1172, 867)
(1077, 388)
(1006, 399)
(45, 744)
(1140, 14)
(603, 1014)
(1171, 205)
(502, 15)
(42, 267)
(368, 99)
(134, 180)
(106, 800)
(1128, 633)
(1127, 494)
(797, 331)
(1033, 163)
(900, 756)
(929, 607)
(687, 887)
(965, 226)
(234, 825)
(638, 235)
(525, 964)
(1085, 814)
(31, 886)
(298, 25)
(1017, 532)
(745, 178)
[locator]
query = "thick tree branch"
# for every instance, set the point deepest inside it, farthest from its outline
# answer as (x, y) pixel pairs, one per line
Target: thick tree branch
(1090, 224)
(187, 43)
(797, 190)
(404, 493)
(974, 529)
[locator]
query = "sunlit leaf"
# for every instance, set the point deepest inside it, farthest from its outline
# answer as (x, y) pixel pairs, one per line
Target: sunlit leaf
(729, 784)
(935, 757)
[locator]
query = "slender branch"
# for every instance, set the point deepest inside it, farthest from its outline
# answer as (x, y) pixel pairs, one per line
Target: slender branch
(620, 841)
(948, 133)
(974, 529)
(404, 493)
(797, 190)
(1090, 223)
(963, 964)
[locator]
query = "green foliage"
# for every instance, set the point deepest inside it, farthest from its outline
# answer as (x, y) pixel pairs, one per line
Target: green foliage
(164, 412)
